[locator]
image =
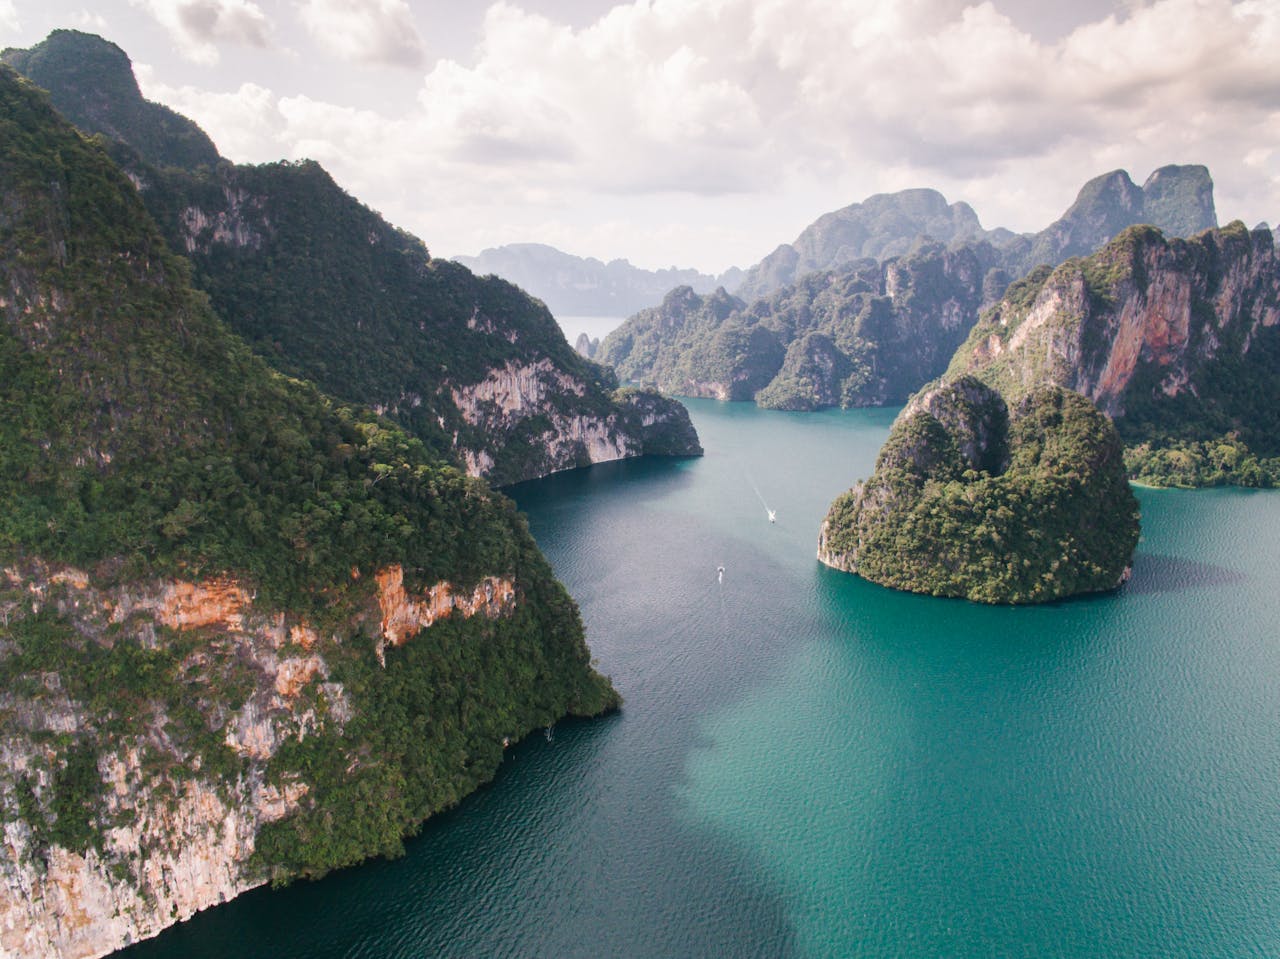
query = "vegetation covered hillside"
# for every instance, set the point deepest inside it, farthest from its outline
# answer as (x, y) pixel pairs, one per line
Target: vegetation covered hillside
(970, 499)
(1177, 340)
(872, 300)
(91, 83)
(325, 289)
(221, 593)
(864, 335)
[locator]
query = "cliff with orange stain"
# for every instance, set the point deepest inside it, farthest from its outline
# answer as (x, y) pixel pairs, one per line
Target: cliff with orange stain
(1160, 333)
(174, 835)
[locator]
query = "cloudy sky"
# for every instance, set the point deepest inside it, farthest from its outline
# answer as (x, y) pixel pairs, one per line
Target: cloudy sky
(705, 132)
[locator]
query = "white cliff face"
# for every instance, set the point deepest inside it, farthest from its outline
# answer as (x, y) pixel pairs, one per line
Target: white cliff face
(514, 393)
(229, 227)
(174, 838)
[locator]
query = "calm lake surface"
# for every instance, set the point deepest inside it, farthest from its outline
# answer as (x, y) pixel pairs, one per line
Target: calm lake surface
(811, 765)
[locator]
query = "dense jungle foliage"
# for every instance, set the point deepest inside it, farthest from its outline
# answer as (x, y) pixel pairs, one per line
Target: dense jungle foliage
(324, 289)
(1059, 519)
(139, 439)
(91, 83)
(1189, 393)
(863, 335)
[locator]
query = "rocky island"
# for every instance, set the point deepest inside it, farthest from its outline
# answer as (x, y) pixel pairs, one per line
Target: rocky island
(972, 499)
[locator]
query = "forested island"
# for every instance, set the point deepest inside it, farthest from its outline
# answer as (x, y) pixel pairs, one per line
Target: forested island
(971, 499)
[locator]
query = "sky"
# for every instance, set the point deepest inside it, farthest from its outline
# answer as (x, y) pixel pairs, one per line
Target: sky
(703, 133)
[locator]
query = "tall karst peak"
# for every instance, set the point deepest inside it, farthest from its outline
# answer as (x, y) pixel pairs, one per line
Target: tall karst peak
(91, 82)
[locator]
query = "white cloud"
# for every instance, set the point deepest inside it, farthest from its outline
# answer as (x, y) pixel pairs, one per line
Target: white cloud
(9, 22)
(199, 26)
(90, 21)
(245, 124)
(370, 31)
(733, 105)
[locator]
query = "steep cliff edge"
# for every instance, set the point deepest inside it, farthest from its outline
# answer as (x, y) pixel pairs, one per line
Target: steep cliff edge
(324, 289)
(971, 500)
(1177, 340)
(245, 634)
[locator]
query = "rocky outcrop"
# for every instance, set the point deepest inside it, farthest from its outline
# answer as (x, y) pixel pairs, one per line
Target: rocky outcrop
(230, 224)
(971, 500)
(170, 832)
(586, 346)
(525, 406)
(1163, 334)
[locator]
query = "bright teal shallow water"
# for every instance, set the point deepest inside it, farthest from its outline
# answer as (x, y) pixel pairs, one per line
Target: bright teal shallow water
(810, 765)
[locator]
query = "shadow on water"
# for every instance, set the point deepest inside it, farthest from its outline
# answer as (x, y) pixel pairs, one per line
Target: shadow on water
(651, 476)
(561, 856)
(1155, 573)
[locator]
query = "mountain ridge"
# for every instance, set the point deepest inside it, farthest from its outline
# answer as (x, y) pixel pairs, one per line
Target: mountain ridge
(325, 289)
(246, 633)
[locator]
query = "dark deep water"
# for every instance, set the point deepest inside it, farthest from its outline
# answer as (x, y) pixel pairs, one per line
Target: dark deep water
(811, 765)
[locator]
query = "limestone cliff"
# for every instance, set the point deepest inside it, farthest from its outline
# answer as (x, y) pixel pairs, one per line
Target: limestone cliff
(520, 404)
(1170, 337)
(246, 633)
(970, 499)
(182, 756)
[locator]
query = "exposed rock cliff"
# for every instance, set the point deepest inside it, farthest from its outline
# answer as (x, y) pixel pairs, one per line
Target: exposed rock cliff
(326, 290)
(1172, 338)
(968, 500)
(245, 634)
(180, 776)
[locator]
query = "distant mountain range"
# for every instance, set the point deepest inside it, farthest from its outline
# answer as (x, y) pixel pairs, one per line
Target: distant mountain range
(584, 286)
(1178, 199)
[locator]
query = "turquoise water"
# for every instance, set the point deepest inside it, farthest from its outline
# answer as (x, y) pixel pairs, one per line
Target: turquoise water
(810, 765)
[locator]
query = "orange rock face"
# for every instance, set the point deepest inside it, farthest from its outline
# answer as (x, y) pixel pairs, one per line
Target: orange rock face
(192, 605)
(404, 615)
